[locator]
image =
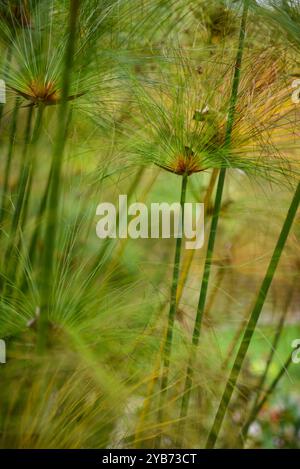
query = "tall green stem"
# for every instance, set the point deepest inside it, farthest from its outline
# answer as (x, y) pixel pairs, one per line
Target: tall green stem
(250, 328)
(12, 136)
(24, 191)
(55, 185)
(166, 353)
(215, 219)
(32, 251)
(34, 138)
(36, 233)
(22, 184)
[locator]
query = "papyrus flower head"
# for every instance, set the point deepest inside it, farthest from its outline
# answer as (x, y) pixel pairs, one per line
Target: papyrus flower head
(185, 120)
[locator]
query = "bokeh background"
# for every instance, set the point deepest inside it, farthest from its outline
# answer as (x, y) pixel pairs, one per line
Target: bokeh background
(97, 383)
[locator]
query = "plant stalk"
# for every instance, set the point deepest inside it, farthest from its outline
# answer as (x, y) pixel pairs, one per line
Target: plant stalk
(32, 251)
(214, 223)
(22, 203)
(55, 185)
(32, 163)
(189, 256)
(166, 353)
(22, 184)
(7, 169)
(249, 331)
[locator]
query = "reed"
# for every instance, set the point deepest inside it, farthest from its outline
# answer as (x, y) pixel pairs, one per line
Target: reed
(55, 183)
(12, 137)
(166, 352)
(116, 343)
(214, 222)
(255, 314)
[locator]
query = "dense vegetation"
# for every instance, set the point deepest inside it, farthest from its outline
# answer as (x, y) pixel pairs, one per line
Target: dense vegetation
(116, 342)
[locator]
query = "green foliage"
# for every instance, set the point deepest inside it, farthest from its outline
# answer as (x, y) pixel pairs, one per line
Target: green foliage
(135, 97)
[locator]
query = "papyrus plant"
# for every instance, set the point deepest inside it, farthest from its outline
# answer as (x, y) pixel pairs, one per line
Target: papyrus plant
(186, 131)
(286, 15)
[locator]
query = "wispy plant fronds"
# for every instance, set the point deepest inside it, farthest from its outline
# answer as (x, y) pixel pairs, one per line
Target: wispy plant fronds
(185, 120)
(284, 14)
(39, 50)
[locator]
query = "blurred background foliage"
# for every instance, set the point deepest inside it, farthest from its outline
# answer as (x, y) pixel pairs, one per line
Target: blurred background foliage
(96, 385)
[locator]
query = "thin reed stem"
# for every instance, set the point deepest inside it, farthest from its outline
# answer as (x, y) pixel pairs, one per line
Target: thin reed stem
(12, 136)
(36, 233)
(172, 313)
(55, 184)
(32, 251)
(214, 223)
(32, 163)
(24, 191)
(187, 261)
(22, 184)
(249, 331)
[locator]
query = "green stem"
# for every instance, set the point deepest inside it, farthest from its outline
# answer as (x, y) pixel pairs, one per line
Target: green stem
(250, 328)
(22, 203)
(7, 169)
(10, 257)
(166, 353)
(36, 233)
(22, 184)
(26, 196)
(32, 252)
(214, 223)
(34, 138)
(55, 185)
